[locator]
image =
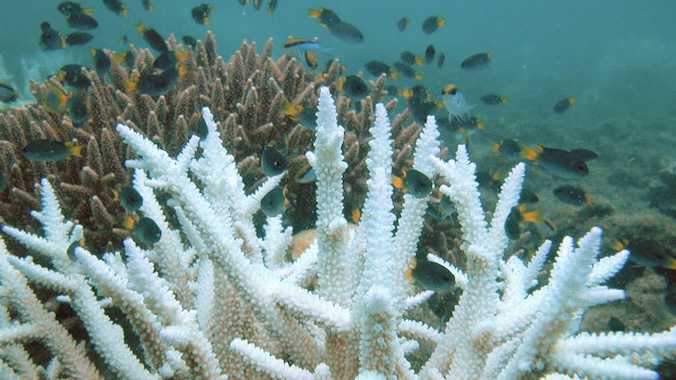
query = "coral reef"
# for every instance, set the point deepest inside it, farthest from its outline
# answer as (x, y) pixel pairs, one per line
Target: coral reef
(212, 298)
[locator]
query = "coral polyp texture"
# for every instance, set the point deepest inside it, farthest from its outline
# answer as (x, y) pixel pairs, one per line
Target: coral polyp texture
(214, 299)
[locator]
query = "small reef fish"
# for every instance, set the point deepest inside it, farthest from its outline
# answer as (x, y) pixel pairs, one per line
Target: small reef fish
(440, 60)
(562, 105)
(572, 195)
(189, 41)
(410, 59)
(418, 101)
(346, 32)
(432, 23)
(326, 17)
(157, 84)
(567, 164)
(430, 52)
(201, 13)
(116, 6)
(272, 162)
(146, 231)
(71, 75)
(403, 24)
(507, 147)
(306, 174)
(492, 99)
(78, 38)
(272, 203)
(101, 61)
(81, 21)
(444, 210)
(54, 98)
(430, 275)
(517, 217)
(45, 150)
(478, 61)
(407, 71)
(414, 182)
(355, 88)
(77, 110)
(130, 199)
(7, 93)
(455, 104)
(376, 68)
(68, 7)
(147, 5)
(272, 5)
(645, 254)
(152, 37)
(50, 39)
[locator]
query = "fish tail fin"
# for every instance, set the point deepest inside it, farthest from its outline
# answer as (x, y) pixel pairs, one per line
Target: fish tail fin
(394, 74)
(397, 182)
(419, 61)
(529, 153)
(418, 76)
(356, 215)
(314, 13)
(495, 147)
(530, 216)
(670, 264)
(504, 100)
(571, 100)
(140, 27)
(87, 11)
(75, 150)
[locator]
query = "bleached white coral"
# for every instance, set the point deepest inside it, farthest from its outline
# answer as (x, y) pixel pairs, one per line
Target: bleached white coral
(212, 299)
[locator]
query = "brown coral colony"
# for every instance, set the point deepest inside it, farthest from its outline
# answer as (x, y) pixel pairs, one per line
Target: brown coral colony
(250, 95)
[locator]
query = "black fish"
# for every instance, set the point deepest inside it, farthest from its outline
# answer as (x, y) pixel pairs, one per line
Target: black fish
(326, 17)
(189, 41)
(403, 23)
(201, 13)
(562, 105)
(153, 38)
(78, 38)
(355, 87)
(429, 54)
(116, 6)
(50, 150)
(478, 61)
(272, 203)
(147, 231)
(376, 68)
(347, 32)
(157, 84)
(7, 93)
(77, 110)
(272, 162)
(69, 7)
(81, 21)
(431, 276)
(571, 195)
(71, 75)
(101, 61)
(440, 60)
(130, 199)
(50, 39)
(493, 99)
(432, 23)
(417, 183)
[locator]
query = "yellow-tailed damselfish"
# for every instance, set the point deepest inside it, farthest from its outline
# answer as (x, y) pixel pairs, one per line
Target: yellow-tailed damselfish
(403, 23)
(7, 93)
(152, 37)
(50, 39)
(272, 204)
(430, 275)
(146, 231)
(46, 150)
(376, 68)
(432, 23)
(567, 164)
(562, 105)
(572, 195)
(201, 13)
(272, 162)
(478, 61)
(116, 6)
(493, 99)
(414, 182)
(81, 21)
